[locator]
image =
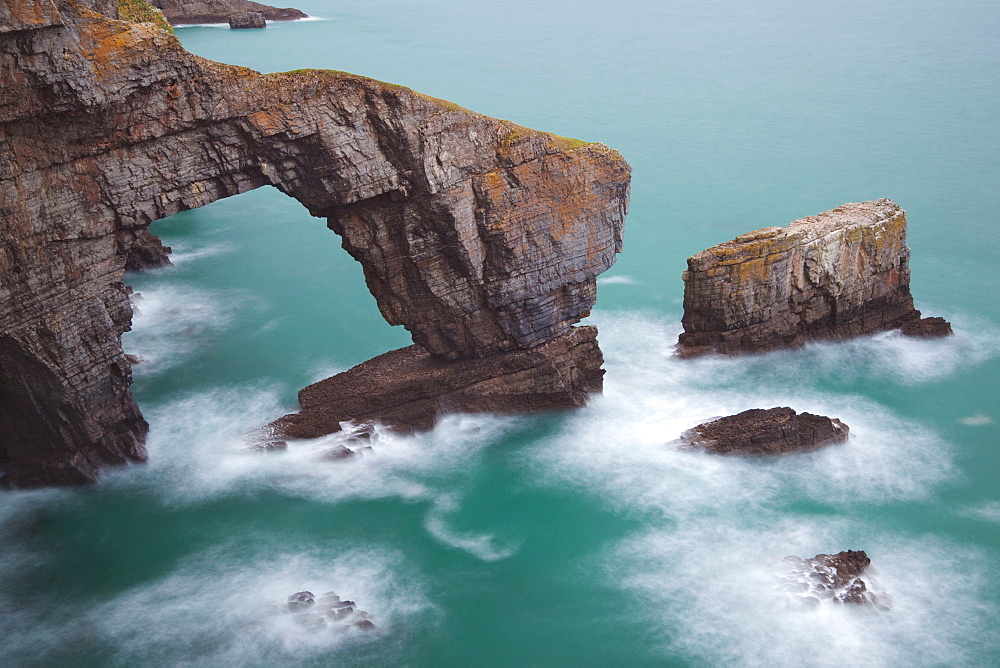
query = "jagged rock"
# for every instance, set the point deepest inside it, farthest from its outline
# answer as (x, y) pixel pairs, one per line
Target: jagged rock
(219, 11)
(328, 611)
(835, 577)
(301, 601)
(839, 274)
(771, 431)
(927, 328)
(408, 389)
(478, 235)
(338, 452)
(247, 20)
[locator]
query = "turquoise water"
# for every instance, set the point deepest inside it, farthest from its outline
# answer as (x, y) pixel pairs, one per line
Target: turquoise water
(581, 538)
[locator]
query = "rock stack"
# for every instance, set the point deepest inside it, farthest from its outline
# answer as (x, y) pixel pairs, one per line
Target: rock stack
(247, 20)
(326, 612)
(840, 274)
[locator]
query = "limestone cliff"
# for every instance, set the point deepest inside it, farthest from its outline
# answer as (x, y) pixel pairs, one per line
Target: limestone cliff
(477, 235)
(839, 274)
(219, 11)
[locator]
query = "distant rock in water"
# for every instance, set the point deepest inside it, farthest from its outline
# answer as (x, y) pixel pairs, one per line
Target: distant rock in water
(771, 431)
(927, 328)
(247, 20)
(326, 612)
(220, 11)
(840, 274)
(835, 577)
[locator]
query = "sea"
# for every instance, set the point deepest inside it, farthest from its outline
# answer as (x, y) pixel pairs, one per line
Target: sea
(585, 537)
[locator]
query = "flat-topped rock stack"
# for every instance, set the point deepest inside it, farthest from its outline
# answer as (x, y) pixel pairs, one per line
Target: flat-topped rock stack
(840, 274)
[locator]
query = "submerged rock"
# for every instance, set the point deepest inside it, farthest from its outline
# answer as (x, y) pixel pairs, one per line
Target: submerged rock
(835, 577)
(770, 431)
(839, 274)
(927, 328)
(247, 20)
(326, 612)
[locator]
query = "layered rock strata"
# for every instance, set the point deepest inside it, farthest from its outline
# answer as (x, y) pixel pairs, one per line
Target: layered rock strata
(408, 389)
(837, 578)
(840, 274)
(219, 11)
(771, 431)
(477, 235)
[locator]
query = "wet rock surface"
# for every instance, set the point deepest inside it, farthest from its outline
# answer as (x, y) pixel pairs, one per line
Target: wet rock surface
(326, 611)
(835, 577)
(840, 274)
(927, 328)
(771, 431)
(247, 20)
(481, 237)
(408, 389)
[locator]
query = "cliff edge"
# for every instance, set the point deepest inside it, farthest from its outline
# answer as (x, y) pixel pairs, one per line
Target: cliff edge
(479, 236)
(218, 11)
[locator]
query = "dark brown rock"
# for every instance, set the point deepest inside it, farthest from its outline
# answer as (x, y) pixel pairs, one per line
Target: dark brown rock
(771, 431)
(219, 11)
(835, 577)
(247, 20)
(408, 389)
(478, 235)
(927, 328)
(840, 274)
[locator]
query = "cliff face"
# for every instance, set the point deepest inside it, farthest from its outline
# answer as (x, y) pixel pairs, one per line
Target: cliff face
(219, 11)
(477, 235)
(839, 274)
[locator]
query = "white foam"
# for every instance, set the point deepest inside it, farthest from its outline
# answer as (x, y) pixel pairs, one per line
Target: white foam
(226, 606)
(977, 420)
(621, 443)
(481, 546)
(620, 279)
(172, 322)
(181, 255)
(197, 450)
(713, 588)
(988, 512)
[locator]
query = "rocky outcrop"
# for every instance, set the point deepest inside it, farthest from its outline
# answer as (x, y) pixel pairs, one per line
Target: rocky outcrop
(408, 389)
(840, 274)
(478, 235)
(771, 431)
(247, 20)
(218, 11)
(327, 611)
(927, 328)
(835, 577)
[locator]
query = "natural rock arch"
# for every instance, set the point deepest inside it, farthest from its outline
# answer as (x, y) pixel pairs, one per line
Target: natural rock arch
(478, 235)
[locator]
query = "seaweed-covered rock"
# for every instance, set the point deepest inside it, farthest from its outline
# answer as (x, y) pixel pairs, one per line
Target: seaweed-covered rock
(770, 431)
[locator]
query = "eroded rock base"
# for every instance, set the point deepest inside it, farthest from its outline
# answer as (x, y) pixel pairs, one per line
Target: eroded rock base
(771, 431)
(407, 389)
